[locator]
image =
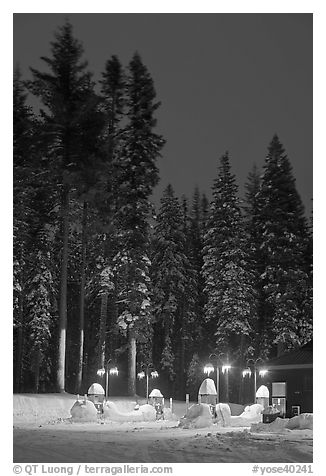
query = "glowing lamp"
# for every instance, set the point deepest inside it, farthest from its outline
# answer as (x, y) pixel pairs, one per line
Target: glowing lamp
(246, 372)
(208, 369)
(263, 372)
(225, 368)
(101, 372)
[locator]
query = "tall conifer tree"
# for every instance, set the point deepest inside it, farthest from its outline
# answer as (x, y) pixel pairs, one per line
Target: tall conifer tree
(173, 288)
(228, 278)
(137, 174)
(66, 92)
(23, 189)
(283, 243)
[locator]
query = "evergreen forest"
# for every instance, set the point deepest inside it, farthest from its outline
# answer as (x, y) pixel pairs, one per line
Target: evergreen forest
(103, 277)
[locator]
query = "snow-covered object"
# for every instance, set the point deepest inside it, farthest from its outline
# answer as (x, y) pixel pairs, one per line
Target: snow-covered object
(168, 415)
(207, 387)
(252, 410)
(41, 407)
(144, 413)
(304, 421)
(270, 410)
(156, 393)
(262, 392)
(96, 389)
(279, 425)
(198, 416)
(83, 411)
(251, 414)
(223, 414)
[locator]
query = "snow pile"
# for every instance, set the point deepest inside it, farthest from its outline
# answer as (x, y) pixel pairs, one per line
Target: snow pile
(41, 408)
(223, 414)
(255, 409)
(251, 414)
(282, 425)
(144, 413)
(83, 411)
(279, 425)
(304, 421)
(125, 404)
(168, 415)
(198, 416)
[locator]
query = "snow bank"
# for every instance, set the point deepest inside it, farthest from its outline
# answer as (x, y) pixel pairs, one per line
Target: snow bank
(83, 411)
(252, 410)
(304, 421)
(251, 414)
(41, 408)
(124, 404)
(277, 426)
(197, 416)
(168, 415)
(283, 425)
(223, 414)
(145, 413)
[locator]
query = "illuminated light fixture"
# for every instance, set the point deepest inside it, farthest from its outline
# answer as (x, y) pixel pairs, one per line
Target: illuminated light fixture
(141, 374)
(114, 371)
(208, 369)
(263, 372)
(225, 368)
(101, 372)
(246, 372)
(154, 374)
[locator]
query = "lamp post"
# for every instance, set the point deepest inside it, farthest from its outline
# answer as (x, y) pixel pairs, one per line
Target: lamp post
(107, 370)
(248, 372)
(147, 372)
(209, 368)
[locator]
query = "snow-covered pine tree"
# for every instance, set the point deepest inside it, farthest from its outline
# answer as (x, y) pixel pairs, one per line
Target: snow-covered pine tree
(196, 245)
(136, 175)
(112, 97)
(231, 296)
(283, 243)
(39, 298)
(113, 102)
(194, 376)
(251, 208)
(204, 212)
(173, 288)
(23, 193)
(66, 92)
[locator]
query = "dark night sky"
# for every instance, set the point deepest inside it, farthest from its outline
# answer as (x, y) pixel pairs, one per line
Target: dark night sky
(226, 82)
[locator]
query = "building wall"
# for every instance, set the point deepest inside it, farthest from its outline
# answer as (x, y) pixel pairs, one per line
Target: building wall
(299, 388)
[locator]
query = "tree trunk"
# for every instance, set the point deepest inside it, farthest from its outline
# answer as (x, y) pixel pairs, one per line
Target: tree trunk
(20, 330)
(82, 301)
(19, 349)
(132, 351)
(37, 369)
(280, 348)
(242, 364)
(104, 308)
(63, 291)
(182, 357)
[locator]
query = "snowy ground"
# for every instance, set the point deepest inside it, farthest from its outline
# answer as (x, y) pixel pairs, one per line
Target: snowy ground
(43, 433)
